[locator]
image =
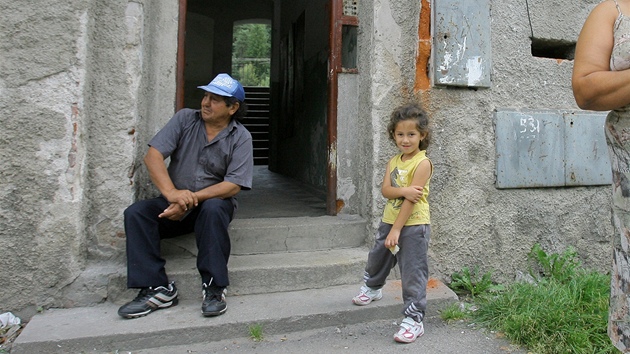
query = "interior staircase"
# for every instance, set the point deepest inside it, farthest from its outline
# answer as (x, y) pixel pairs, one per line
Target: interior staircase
(257, 121)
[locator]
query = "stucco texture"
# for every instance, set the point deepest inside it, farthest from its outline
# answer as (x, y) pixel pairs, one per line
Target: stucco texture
(72, 81)
(85, 84)
(42, 73)
(473, 222)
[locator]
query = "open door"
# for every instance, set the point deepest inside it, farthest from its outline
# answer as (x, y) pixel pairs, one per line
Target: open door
(305, 62)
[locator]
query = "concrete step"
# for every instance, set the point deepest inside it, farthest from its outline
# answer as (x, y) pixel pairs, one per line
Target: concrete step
(290, 234)
(260, 273)
(99, 329)
(268, 255)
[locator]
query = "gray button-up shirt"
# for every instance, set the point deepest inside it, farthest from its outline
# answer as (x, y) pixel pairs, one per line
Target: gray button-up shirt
(197, 163)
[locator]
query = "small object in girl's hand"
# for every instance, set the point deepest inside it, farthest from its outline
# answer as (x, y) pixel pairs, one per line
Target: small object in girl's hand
(394, 249)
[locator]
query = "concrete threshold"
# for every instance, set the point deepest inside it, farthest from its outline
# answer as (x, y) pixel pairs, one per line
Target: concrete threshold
(99, 329)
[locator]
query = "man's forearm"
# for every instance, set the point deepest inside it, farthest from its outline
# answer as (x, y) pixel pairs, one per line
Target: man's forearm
(158, 172)
(221, 190)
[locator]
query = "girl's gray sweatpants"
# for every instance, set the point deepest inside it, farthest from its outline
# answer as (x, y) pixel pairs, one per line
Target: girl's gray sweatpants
(412, 262)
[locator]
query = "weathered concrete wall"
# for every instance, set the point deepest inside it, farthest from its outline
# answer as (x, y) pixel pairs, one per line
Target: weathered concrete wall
(474, 223)
(348, 151)
(115, 65)
(131, 96)
(156, 96)
(43, 151)
(558, 20)
(85, 84)
(75, 79)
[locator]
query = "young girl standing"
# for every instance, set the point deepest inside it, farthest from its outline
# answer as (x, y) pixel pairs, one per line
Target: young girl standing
(403, 233)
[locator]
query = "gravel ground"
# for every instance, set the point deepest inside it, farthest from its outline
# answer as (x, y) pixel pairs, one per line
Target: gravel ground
(371, 337)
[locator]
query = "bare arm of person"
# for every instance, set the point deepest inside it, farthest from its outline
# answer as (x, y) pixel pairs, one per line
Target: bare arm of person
(412, 193)
(159, 176)
(221, 190)
(420, 178)
(595, 87)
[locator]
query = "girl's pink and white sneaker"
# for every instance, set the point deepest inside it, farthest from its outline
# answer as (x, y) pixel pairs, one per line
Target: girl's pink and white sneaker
(367, 295)
(409, 331)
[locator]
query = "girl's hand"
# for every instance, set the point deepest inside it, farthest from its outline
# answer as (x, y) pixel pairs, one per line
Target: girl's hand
(392, 238)
(413, 193)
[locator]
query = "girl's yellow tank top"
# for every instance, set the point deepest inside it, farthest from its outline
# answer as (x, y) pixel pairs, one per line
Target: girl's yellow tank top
(401, 175)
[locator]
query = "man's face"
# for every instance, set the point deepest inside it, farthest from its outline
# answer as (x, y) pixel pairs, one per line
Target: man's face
(213, 108)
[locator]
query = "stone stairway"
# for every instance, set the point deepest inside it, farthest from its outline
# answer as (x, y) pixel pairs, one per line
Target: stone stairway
(287, 275)
(269, 255)
(291, 269)
(99, 330)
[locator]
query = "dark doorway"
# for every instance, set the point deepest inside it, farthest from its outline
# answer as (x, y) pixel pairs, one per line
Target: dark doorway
(288, 114)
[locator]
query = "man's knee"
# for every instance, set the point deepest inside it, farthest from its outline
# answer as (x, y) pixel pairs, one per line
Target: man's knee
(131, 211)
(216, 205)
(144, 208)
(216, 208)
(134, 209)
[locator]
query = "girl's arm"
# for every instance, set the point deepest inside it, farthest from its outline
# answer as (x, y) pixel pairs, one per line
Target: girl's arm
(595, 86)
(420, 178)
(413, 193)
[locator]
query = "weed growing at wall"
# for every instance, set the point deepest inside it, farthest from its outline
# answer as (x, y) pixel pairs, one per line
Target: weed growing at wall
(256, 332)
(563, 311)
(471, 283)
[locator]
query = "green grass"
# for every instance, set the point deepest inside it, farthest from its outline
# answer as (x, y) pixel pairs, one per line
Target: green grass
(256, 332)
(552, 317)
(470, 282)
(564, 311)
(454, 312)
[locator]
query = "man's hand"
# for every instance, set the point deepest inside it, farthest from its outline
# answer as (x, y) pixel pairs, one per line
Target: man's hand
(412, 193)
(174, 212)
(184, 198)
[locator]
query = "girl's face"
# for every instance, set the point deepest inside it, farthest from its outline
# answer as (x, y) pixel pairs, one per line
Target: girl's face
(408, 137)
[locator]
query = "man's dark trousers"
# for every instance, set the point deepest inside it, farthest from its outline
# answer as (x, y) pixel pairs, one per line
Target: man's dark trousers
(144, 230)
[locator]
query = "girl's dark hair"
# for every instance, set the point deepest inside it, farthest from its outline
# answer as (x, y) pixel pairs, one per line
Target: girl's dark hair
(242, 107)
(411, 111)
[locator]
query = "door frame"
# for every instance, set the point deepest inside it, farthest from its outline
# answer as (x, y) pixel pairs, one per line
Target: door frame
(337, 21)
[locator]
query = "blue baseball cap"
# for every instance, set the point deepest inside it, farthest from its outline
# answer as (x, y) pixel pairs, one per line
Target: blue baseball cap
(225, 85)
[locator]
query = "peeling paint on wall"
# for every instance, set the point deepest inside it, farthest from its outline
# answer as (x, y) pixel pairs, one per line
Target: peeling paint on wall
(389, 31)
(451, 59)
(424, 48)
(475, 70)
(345, 188)
(462, 43)
(332, 156)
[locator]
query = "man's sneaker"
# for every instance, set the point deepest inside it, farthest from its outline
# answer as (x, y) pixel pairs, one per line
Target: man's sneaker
(149, 300)
(213, 300)
(409, 331)
(367, 295)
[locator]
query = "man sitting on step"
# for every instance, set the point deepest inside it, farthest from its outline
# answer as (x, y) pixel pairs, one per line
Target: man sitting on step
(211, 160)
